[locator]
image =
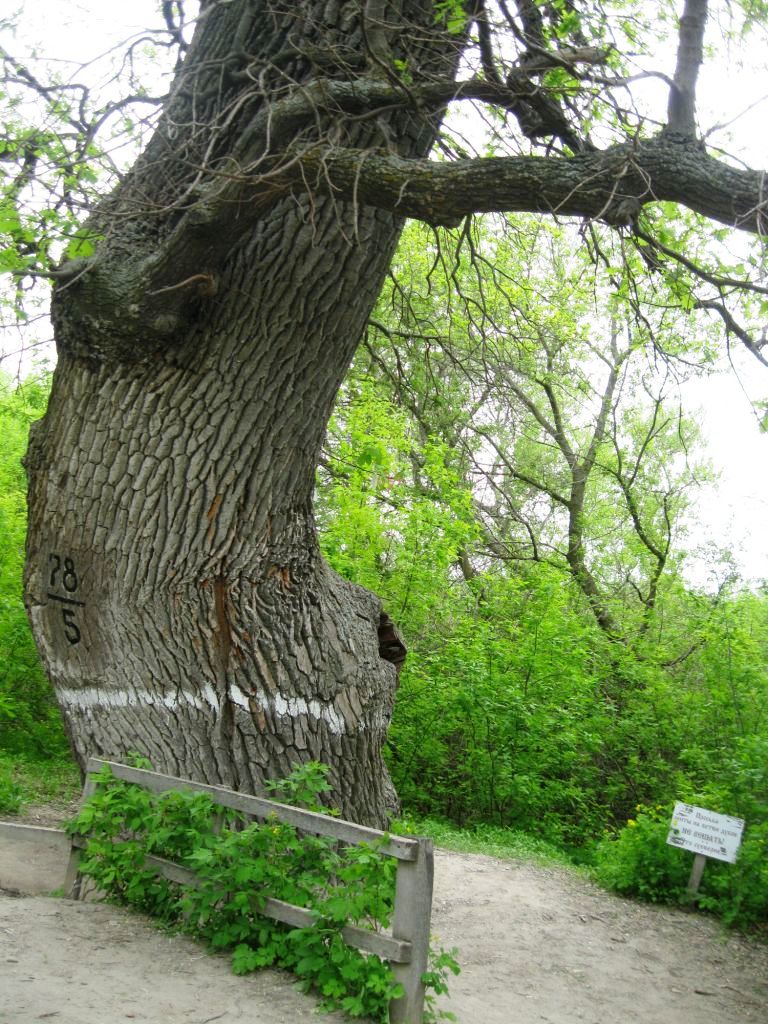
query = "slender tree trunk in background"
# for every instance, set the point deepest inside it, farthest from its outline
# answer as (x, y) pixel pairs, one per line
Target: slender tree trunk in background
(174, 581)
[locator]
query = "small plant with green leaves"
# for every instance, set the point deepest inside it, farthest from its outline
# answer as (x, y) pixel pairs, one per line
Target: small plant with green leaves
(238, 866)
(10, 793)
(441, 963)
(638, 862)
(304, 787)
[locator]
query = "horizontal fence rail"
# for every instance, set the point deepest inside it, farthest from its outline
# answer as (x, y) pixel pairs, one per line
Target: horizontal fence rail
(407, 948)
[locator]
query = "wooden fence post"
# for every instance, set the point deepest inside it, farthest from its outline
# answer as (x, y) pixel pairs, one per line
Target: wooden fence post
(73, 880)
(412, 922)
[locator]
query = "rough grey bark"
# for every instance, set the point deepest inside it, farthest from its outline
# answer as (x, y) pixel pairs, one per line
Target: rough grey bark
(611, 184)
(171, 499)
(681, 110)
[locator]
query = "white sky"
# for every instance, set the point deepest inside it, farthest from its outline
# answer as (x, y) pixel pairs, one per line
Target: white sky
(735, 515)
(81, 31)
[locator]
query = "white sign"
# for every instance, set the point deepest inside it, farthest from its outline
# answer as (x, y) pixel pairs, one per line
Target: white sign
(701, 831)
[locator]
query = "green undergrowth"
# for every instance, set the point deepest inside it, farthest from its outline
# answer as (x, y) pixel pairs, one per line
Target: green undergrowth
(491, 840)
(25, 780)
(239, 866)
(637, 862)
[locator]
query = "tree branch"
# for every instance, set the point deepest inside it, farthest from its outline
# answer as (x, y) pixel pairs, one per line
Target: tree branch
(720, 281)
(600, 184)
(733, 327)
(681, 110)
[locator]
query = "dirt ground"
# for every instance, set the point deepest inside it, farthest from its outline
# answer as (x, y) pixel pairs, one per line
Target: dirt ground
(536, 945)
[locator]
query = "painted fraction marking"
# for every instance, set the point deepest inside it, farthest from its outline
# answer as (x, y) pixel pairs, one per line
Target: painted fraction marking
(63, 571)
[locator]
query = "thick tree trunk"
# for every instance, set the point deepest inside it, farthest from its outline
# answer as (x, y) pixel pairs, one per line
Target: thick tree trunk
(174, 581)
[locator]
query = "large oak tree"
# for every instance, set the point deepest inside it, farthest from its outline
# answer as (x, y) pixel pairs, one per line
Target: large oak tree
(174, 582)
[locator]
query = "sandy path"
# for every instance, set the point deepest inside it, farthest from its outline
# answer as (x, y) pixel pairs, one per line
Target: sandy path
(536, 945)
(87, 963)
(543, 945)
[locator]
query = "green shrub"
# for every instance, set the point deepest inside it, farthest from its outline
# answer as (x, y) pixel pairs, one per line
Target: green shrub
(738, 893)
(30, 722)
(639, 862)
(11, 795)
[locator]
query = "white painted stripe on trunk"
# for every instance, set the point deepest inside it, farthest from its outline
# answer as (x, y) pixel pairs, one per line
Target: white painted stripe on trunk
(95, 696)
(210, 695)
(278, 704)
(291, 707)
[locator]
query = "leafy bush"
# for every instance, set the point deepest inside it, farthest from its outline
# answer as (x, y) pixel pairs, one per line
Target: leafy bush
(30, 723)
(238, 867)
(11, 795)
(638, 862)
(738, 784)
(738, 893)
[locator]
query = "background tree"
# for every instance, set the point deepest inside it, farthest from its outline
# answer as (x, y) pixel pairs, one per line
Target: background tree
(529, 699)
(550, 398)
(209, 308)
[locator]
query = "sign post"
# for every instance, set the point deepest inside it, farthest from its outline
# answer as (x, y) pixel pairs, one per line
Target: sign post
(694, 879)
(706, 834)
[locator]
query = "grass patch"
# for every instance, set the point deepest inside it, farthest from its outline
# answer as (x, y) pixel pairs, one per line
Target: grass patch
(25, 780)
(491, 840)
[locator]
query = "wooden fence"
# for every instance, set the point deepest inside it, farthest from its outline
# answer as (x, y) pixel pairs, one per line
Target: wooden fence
(407, 947)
